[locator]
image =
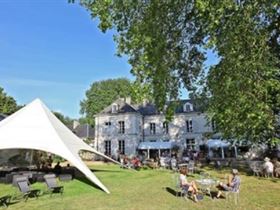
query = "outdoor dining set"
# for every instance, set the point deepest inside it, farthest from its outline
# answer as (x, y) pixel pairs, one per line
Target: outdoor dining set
(207, 184)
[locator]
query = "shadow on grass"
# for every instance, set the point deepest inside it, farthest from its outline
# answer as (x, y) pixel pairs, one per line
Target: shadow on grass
(12, 203)
(179, 194)
(274, 179)
(88, 182)
(15, 199)
(104, 170)
(82, 178)
(172, 191)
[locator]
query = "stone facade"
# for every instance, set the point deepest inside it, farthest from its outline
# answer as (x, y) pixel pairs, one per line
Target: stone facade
(122, 126)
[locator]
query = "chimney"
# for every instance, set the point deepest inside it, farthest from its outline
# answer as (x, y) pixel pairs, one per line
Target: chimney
(145, 101)
(127, 100)
(75, 124)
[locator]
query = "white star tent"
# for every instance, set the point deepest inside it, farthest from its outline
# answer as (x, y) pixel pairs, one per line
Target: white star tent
(36, 127)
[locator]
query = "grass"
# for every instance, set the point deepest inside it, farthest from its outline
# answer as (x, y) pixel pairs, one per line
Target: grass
(146, 190)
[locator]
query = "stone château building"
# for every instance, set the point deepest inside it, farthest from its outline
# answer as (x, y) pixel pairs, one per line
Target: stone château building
(125, 128)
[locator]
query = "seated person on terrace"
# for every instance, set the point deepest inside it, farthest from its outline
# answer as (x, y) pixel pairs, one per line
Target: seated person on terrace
(135, 162)
(276, 164)
(187, 186)
(57, 168)
(126, 161)
(232, 185)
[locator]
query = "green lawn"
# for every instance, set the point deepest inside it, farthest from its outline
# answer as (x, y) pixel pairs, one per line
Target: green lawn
(146, 190)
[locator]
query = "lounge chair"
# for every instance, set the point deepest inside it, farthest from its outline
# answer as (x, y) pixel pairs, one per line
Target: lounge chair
(24, 188)
(65, 177)
(5, 200)
(50, 180)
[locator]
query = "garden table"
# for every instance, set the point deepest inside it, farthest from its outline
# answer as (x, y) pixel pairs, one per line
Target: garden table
(183, 165)
(206, 185)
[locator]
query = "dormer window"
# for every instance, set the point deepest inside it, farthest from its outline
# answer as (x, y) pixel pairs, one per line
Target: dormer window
(188, 107)
(114, 108)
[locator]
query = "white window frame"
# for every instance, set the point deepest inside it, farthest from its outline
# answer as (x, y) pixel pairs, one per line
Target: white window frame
(190, 107)
(189, 126)
(152, 128)
(114, 108)
(108, 147)
(191, 144)
(121, 127)
(165, 126)
(121, 147)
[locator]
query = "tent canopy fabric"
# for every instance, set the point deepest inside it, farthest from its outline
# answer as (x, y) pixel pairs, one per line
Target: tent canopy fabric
(155, 145)
(215, 143)
(36, 127)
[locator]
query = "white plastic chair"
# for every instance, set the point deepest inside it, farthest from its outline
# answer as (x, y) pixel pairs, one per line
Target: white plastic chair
(235, 195)
(173, 163)
(162, 163)
(191, 167)
(179, 191)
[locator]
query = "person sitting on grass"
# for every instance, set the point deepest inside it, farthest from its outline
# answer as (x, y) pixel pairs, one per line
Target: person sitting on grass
(232, 185)
(187, 186)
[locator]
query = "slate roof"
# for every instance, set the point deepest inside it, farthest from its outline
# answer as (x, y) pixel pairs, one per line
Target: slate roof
(84, 131)
(147, 109)
(123, 107)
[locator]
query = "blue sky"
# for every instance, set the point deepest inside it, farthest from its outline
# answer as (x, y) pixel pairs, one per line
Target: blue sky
(53, 50)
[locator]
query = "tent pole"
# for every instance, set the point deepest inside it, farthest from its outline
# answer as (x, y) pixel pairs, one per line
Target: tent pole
(235, 151)
(148, 154)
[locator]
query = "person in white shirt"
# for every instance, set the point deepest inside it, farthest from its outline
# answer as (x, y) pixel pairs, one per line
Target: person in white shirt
(187, 186)
(268, 167)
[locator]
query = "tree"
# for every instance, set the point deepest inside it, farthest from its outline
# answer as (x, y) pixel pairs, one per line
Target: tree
(244, 86)
(161, 39)
(64, 119)
(101, 94)
(8, 104)
(165, 41)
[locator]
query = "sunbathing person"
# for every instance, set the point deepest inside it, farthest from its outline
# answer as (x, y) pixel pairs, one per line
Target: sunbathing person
(232, 185)
(187, 186)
